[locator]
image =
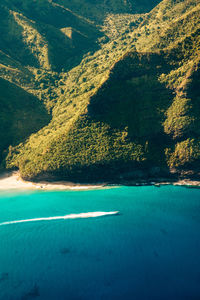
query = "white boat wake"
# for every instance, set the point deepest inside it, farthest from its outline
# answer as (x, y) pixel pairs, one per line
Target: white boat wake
(66, 217)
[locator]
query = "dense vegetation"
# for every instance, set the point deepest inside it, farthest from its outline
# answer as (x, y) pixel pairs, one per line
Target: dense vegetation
(121, 90)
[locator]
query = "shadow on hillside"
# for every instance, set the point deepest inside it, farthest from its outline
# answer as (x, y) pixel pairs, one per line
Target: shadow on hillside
(21, 114)
(134, 99)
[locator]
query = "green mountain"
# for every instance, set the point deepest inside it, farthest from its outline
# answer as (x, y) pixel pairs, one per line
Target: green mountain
(96, 10)
(107, 90)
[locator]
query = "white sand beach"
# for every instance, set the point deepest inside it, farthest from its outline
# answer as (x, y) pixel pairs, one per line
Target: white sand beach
(13, 181)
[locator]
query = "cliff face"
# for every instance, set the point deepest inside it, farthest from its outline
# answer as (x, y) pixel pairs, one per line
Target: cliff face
(129, 107)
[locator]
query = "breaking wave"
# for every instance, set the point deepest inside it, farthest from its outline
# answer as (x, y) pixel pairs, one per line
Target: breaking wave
(66, 217)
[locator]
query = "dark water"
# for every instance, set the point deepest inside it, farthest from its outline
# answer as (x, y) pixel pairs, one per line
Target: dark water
(150, 251)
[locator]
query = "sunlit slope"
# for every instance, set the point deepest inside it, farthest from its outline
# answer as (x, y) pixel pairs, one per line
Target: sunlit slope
(122, 113)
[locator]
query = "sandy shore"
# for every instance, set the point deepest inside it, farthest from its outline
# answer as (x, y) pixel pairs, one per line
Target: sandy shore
(188, 182)
(13, 181)
(158, 183)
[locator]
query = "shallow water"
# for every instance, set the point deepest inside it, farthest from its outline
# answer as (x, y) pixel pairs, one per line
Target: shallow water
(151, 250)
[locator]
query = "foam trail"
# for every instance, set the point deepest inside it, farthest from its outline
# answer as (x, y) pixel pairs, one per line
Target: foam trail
(66, 217)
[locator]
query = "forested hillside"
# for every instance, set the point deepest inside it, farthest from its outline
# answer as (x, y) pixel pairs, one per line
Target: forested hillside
(96, 10)
(106, 92)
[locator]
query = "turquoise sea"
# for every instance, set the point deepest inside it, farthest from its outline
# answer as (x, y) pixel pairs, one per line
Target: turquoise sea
(151, 250)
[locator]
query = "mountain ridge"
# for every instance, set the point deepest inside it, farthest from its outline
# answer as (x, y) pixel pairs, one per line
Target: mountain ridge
(139, 58)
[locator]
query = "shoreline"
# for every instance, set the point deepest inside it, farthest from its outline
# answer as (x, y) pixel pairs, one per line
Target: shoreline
(12, 181)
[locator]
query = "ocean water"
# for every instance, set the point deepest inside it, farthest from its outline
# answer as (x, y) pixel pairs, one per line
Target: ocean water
(150, 250)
